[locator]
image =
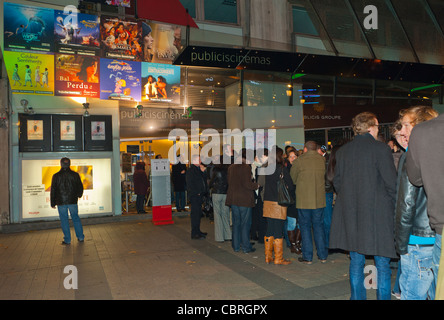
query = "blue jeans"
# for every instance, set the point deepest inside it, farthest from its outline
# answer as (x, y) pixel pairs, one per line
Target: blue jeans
(328, 210)
(308, 219)
(291, 223)
(180, 200)
(64, 221)
(357, 280)
(416, 275)
(241, 217)
(435, 259)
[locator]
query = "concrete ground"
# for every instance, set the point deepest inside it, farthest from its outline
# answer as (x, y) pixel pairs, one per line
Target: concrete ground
(130, 258)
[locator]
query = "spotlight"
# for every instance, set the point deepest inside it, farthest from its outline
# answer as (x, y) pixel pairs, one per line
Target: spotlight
(86, 107)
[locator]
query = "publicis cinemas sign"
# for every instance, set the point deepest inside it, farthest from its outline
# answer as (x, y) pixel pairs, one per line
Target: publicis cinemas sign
(233, 58)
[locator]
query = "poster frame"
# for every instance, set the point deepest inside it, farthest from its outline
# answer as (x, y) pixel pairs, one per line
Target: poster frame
(60, 144)
(35, 145)
(92, 144)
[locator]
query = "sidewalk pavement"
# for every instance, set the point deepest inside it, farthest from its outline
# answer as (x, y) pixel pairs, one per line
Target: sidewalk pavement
(130, 258)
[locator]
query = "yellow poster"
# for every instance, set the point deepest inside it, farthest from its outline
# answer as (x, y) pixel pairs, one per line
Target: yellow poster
(30, 73)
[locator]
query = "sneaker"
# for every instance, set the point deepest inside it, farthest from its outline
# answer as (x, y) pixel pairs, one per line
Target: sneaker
(396, 295)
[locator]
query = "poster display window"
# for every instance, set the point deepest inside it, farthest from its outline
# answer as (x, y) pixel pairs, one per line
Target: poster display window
(36, 186)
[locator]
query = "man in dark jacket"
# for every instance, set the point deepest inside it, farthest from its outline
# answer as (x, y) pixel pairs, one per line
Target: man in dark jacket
(196, 187)
(178, 175)
(363, 216)
(66, 189)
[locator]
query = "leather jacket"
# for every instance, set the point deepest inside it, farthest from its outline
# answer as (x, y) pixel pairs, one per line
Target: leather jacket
(411, 211)
(219, 180)
(66, 187)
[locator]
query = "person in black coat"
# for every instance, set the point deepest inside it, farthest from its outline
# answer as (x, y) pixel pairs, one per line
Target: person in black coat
(141, 185)
(178, 173)
(66, 189)
(363, 215)
(197, 187)
(293, 231)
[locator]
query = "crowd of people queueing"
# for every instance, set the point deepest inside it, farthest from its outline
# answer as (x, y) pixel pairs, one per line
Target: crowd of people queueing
(366, 198)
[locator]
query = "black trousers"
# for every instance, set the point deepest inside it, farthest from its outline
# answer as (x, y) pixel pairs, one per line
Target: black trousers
(196, 214)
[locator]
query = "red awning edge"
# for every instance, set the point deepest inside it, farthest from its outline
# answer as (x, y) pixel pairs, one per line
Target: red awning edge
(168, 11)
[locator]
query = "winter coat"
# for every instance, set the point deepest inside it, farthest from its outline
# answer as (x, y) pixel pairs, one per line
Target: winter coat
(178, 178)
(308, 174)
(196, 181)
(66, 187)
(219, 180)
(365, 182)
(140, 178)
(240, 186)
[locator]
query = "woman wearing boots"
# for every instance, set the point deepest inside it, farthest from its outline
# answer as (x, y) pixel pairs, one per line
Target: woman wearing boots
(275, 214)
(293, 231)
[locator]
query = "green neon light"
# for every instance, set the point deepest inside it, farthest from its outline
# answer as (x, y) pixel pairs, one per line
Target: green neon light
(297, 75)
(426, 87)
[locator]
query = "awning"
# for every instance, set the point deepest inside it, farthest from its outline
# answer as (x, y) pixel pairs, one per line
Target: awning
(168, 11)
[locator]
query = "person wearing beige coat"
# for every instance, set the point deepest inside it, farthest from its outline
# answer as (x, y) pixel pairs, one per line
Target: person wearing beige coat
(308, 174)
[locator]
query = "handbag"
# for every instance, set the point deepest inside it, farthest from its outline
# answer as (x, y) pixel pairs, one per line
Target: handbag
(284, 196)
(273, 210)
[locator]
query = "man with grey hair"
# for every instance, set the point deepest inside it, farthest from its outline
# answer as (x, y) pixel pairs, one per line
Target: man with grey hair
(66, 189)
(363, 215)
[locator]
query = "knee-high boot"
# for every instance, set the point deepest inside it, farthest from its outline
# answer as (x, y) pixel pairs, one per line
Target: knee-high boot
(268, 241)
(279, 252)
(293, 242)
(298, 241)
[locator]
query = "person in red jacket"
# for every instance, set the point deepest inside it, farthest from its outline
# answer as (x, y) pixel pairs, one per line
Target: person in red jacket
(141, 185)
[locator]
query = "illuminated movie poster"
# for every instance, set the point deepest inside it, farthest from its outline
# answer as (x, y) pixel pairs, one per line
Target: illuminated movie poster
(36, 186)
(161, 43)
(121, 39)
(122, 3)
(28, 28)
(77, 76)
(77, 33)
(160, 83)
(30, 73)
(120, 80)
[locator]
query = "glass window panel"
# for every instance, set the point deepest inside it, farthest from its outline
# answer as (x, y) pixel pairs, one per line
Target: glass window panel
(302, 22)
(420, 29)
(191, 6)
(221, 10)
(388, 41)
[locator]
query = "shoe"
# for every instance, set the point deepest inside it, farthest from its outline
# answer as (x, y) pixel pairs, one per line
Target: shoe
(203, 233)
(178, 210)
(65, 243)
(81, 240)
(251, 250)
(307, 262)
(396, 295)
(197, 237)
(323, 260)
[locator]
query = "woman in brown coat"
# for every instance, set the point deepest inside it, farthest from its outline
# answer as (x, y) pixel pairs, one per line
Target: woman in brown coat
(240, 197)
